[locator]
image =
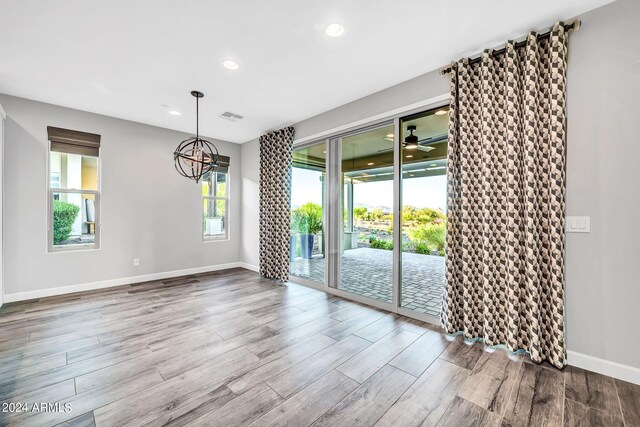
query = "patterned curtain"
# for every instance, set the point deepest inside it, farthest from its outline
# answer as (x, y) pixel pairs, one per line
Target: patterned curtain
(275, 203)
(506, 185)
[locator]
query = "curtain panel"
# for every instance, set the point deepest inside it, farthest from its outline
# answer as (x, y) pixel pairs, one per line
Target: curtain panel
(506, 202)
(275, 203)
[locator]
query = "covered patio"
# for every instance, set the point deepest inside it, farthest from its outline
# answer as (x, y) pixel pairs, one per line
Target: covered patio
(368, 272)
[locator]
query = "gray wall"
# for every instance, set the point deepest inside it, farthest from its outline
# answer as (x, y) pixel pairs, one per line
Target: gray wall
(603, 285)
(250, 167)
(415, 90)
(148, 211)
(602, 282)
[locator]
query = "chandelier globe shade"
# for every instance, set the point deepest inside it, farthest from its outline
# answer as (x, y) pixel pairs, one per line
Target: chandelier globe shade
(196, 158)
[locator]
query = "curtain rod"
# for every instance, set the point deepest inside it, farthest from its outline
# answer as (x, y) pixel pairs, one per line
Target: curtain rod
(573, 26)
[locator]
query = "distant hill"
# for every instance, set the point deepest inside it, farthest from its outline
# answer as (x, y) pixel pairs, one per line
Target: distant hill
(387, 209)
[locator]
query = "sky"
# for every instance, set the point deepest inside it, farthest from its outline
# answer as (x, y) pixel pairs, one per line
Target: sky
(425, 192)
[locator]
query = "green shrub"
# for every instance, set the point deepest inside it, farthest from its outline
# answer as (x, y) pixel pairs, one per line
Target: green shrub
(422, 248)
(411, 214)
(360, 213)
(427, 215)
(376, 214)
(429, 234)
(376, 243)
(307, 219)
(64, 215)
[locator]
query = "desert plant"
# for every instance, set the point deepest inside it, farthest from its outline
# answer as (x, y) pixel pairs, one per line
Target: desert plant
(307, 219)
(376, 243)
(428, 215)
(422, 248)
(432, 235)
(361, 213)
(377, 214)
(64, 215)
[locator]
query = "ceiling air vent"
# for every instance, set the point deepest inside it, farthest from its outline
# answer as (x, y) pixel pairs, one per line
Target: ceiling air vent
(230, 116)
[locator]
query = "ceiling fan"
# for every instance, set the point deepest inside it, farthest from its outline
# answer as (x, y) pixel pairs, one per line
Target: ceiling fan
(411, 142)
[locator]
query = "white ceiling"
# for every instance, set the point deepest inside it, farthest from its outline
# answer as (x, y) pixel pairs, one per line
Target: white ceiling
(127, 58)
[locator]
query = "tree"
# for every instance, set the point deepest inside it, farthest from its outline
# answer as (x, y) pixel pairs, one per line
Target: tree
(409, 214)
(377, 214)
(427, 215)
(361, 213)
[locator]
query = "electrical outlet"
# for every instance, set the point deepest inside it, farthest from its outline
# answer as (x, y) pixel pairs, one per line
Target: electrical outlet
(136, 262)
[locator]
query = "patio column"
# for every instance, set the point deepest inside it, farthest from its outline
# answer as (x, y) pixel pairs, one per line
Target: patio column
(349, 207)
(323, 179)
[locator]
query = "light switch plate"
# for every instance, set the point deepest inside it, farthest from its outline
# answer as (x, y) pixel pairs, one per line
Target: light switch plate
(136, 262)
(578, 224)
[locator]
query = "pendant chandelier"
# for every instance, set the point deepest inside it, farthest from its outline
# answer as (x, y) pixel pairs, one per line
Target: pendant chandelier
(195, 157)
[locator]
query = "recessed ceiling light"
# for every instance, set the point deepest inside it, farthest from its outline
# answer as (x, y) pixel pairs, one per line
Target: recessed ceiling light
(175, 113)
(334, 30)
(409, 156)
(370, 164)
(441, 112)
(389, 135)
(433, 165)
(230, 64)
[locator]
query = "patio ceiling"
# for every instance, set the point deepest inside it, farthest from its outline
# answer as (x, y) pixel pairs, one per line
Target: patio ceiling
(368, 156)
(431, 167)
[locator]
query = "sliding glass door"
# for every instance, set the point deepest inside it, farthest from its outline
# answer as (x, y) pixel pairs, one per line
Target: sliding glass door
(308, 177)
(423, 206)
(366, 181)
(368, 217)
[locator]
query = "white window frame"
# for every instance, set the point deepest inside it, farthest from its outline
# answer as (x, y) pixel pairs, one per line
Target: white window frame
(51, 248)
(224, 237)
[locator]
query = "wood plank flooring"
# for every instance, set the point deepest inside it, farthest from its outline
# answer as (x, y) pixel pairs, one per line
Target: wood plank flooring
(229, 348)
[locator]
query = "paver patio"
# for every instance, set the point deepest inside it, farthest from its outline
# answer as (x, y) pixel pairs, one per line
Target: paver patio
(368, 272)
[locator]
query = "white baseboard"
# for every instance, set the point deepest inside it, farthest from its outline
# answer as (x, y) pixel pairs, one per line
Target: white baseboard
(250, 267)
(42, 293)
(604, 367)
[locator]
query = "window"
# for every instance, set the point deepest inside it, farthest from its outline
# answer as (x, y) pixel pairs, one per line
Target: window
(74, 196)
(215, 203)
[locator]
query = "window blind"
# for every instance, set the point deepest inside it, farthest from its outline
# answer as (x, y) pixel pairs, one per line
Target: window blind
(223, 164)
(74, 142)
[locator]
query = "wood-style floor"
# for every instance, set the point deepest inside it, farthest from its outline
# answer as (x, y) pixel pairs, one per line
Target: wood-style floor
(231, 349)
